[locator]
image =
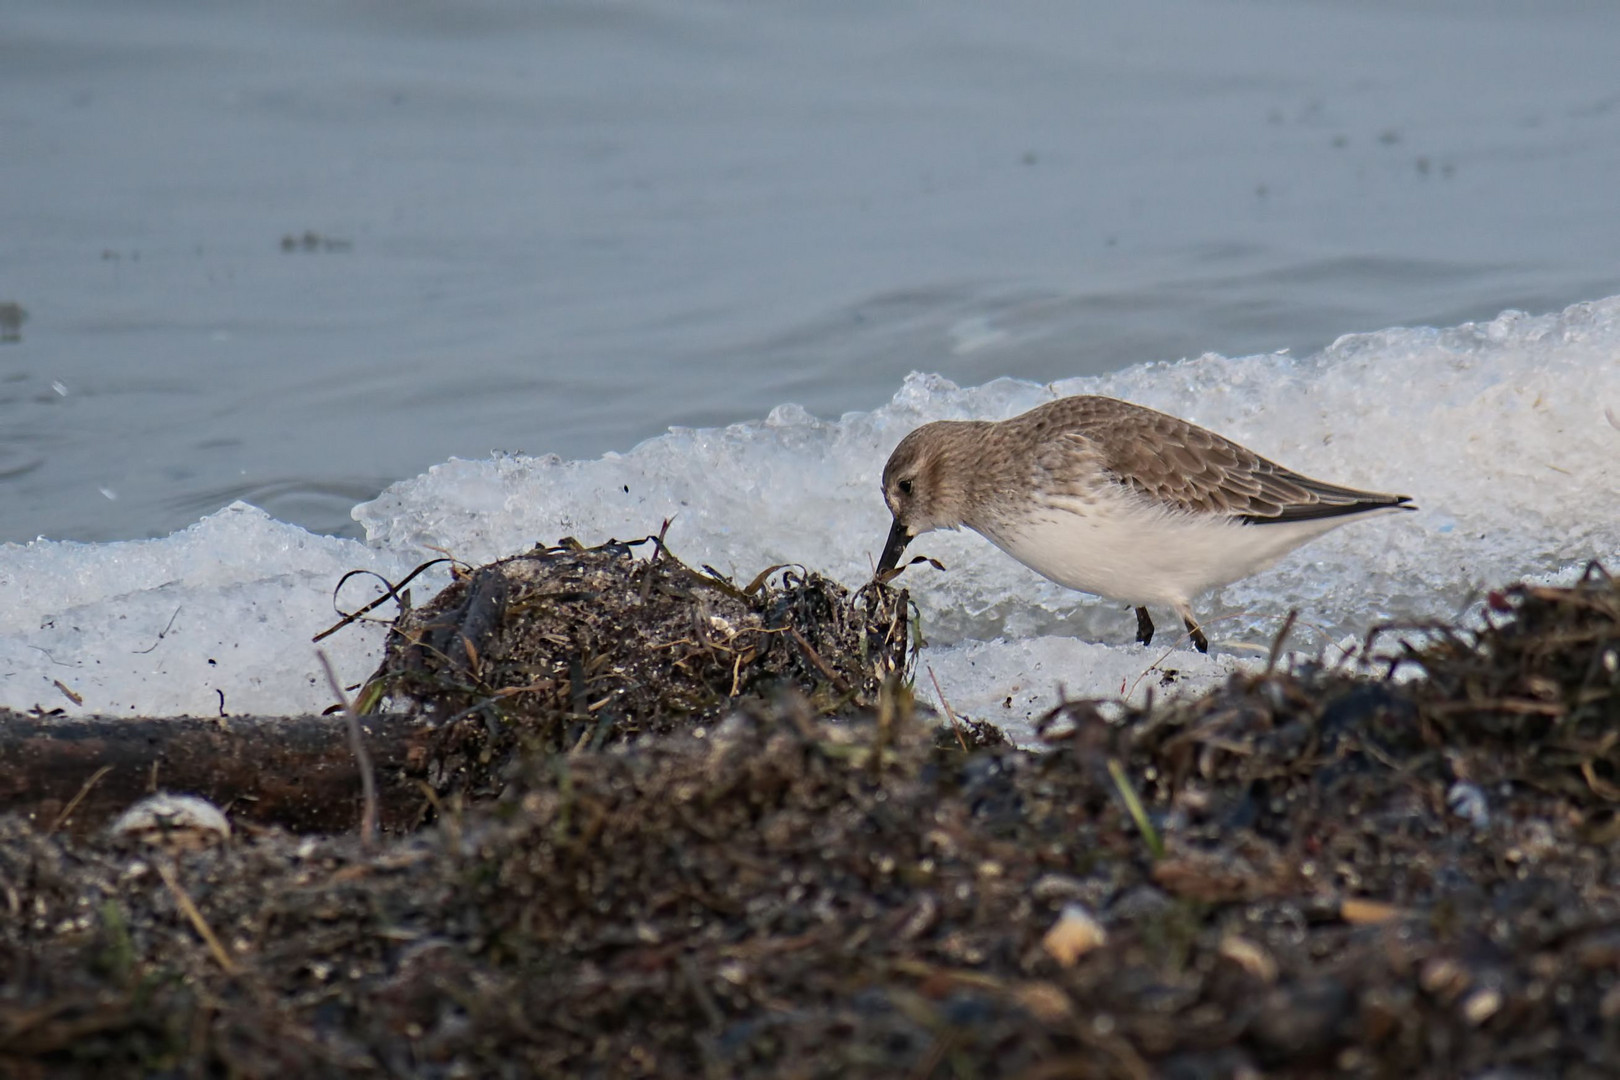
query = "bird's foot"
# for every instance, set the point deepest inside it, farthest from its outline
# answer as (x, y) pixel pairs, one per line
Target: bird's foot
(1144, 627)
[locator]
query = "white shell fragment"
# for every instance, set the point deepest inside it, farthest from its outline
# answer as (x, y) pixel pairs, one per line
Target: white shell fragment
(176, 822)
(1074, 934)
(1481, 1005)
(1468, 802)
(1249, 956)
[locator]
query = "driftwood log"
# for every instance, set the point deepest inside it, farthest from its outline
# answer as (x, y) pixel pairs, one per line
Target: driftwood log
(295, 771)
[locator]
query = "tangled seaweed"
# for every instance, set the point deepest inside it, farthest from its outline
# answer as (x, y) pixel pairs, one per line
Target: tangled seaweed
(1353, 876)
(567, 647)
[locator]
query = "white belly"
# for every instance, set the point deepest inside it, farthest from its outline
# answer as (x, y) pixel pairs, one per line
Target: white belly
(1145, 556)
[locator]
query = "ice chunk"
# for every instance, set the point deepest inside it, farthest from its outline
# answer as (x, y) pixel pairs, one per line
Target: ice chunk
(217, 617)
(1014, 683)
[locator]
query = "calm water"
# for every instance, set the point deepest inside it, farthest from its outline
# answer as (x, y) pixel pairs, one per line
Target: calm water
(292, 252)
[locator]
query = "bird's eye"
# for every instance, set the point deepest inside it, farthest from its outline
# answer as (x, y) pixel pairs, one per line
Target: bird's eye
(905, 487)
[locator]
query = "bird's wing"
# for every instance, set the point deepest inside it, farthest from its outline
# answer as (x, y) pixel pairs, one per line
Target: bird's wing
(1183, 466)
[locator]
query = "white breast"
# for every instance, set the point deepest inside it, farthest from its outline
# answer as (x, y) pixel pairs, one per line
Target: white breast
(1127, 550)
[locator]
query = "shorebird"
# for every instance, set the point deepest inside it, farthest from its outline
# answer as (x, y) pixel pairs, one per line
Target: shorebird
(1115, 499)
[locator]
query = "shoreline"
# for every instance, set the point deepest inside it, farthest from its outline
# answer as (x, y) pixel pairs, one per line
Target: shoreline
(1296, 871)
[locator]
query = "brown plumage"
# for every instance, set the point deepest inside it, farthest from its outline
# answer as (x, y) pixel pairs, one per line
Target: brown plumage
(1183, 465)
(1113, 498)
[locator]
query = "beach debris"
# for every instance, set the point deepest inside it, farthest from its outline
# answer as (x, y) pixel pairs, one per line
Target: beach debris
(1482, 1004)
(565, 648)
(781, 891)
(173, 822)
(1468, 802)
(1252, 958)
(1359, 912)
(297, 772)
(1075, 933)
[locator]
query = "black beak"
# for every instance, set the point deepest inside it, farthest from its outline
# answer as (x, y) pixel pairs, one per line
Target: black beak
(893, 547)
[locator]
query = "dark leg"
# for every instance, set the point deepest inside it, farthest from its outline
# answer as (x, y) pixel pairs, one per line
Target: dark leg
(1144, 626)
(1198, 638)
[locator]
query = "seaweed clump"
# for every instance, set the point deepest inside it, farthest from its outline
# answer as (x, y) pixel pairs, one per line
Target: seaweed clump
(567, 647)
(1302, 873)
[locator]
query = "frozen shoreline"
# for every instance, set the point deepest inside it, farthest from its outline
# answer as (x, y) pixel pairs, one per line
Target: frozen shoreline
(1504, 432)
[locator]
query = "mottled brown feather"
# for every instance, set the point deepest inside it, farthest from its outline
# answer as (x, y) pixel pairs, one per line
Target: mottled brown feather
(1179, 464)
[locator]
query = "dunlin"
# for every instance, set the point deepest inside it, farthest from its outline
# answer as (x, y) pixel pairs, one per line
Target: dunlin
(1114, 499)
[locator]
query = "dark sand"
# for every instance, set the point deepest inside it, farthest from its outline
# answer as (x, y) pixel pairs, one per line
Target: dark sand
(1298, 874)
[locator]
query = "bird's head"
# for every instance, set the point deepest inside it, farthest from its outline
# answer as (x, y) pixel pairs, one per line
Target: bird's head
(925, 484)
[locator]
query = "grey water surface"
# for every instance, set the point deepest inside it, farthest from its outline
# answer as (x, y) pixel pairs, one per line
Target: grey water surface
(290, 252)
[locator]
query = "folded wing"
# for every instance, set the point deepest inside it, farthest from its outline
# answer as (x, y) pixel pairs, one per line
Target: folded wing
(1186, 467)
